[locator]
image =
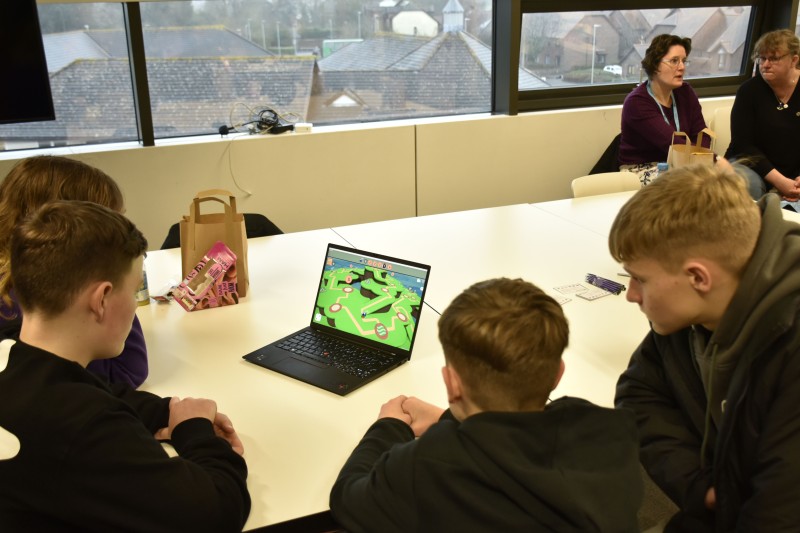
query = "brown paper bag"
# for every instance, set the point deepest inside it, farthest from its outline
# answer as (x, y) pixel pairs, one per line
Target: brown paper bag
(199, 232)
(682, 155)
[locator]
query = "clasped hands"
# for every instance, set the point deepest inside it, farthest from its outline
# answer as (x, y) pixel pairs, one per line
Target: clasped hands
(789, 189)
(182, 410)
(413, 411)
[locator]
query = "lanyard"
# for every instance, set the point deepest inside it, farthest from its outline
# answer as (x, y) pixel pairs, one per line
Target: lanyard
(661, 108)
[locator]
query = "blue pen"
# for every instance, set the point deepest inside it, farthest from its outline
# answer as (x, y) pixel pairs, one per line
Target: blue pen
(606, 284)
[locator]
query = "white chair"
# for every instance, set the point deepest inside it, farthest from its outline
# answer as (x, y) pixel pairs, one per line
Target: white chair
(605, 183)
(721, 124)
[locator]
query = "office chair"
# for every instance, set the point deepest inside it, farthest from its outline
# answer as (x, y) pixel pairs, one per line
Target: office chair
(255, 225)
(605, 183)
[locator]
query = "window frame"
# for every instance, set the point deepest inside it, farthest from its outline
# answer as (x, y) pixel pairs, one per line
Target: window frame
(507, 99)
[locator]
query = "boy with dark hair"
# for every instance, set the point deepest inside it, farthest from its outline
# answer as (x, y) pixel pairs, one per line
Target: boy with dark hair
(75, 453)
(714, 384)
(500, 459)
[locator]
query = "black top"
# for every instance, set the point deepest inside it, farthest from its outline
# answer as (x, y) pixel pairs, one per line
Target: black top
(572, 467)
(79, 455)
(738, 429)
(762, 132)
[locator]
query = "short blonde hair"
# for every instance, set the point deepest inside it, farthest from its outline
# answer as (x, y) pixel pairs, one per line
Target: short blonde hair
(692, 211)
(775, 41)
(505, 338)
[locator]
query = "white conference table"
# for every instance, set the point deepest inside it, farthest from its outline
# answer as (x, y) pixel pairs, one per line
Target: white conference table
(596, 213)
(531, 243)
(296, 436)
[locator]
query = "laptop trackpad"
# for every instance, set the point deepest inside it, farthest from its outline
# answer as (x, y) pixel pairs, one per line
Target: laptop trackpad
(325, 377)
(298, 367)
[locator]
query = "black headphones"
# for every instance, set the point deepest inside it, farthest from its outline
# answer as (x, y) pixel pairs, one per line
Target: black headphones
(266, 121)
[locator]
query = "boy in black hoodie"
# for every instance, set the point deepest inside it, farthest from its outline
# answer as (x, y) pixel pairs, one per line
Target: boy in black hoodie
(501, 458)
(714, 385)
(78, 454)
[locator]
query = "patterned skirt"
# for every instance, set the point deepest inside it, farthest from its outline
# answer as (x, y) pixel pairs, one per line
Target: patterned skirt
(647, 171)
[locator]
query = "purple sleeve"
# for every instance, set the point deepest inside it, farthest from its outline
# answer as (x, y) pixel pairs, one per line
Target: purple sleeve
(131, 365)
(691, 113)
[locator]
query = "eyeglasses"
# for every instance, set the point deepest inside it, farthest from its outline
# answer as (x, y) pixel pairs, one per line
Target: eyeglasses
(771, 59)
(675, 61)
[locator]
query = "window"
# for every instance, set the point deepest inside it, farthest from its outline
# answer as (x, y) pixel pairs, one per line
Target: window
(532, 30)
(209, 63)
(89, 77)
(588, 40)
(213, 63)
(325, 62)
(797, 24)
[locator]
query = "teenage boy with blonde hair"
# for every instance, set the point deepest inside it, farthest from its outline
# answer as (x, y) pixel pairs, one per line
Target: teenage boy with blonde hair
(501, 458)
(77, 454)
(714, 385)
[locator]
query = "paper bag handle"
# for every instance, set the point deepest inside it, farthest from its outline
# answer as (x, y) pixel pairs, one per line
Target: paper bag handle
(194, 213)
(711, 135)
(707, 131)
(194, 208)
(218, 192)
(674, 133)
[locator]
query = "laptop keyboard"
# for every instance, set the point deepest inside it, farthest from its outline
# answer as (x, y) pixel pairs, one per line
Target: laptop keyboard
(344, 356)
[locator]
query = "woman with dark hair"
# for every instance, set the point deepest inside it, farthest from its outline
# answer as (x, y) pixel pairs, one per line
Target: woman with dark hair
(765, 119)
(31, 183)
(659, 107)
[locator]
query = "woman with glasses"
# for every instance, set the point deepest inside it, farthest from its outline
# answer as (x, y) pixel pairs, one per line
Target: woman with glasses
(765, 119)
(656, 109)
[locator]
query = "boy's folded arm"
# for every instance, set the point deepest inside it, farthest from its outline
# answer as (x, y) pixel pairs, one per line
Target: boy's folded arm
(374, 490)
(204, 489)
(670, 450)
(152, 410)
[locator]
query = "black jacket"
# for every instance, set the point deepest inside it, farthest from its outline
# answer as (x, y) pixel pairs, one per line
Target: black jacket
(571, 467)
(762, 133)
(77, 455)
(750, 417)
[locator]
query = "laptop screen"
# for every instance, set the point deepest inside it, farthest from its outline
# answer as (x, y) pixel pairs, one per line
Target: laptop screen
(374, 297)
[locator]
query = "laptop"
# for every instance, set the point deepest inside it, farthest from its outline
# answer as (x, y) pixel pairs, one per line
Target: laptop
(363, 322)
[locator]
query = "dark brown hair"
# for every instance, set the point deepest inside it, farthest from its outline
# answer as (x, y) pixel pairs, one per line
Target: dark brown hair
(659, 47)
(34, 181)
(65, 245)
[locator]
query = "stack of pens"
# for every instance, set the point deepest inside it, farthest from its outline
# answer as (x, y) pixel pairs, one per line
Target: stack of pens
(606, 284)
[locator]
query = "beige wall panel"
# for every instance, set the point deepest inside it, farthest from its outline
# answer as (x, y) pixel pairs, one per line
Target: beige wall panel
(300, 181)
(503, 160)
(366, 173)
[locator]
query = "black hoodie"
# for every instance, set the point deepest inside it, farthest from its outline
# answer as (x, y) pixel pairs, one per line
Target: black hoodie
(739, 431)
(572, 467)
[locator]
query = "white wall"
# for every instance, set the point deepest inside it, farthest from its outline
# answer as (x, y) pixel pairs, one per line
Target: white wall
(341, 176)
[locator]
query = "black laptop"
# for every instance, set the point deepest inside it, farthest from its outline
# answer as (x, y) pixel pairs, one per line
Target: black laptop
(363, 323)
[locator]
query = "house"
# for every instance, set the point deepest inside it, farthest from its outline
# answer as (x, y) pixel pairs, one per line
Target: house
(400, 76)
(385, 77)
(703, 25)
(93, 98)
(729, 48)
(62, 49)
(415, 23)
(632, 62)
(594, 34)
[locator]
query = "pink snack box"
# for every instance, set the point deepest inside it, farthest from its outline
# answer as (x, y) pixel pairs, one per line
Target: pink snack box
(212, 283)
